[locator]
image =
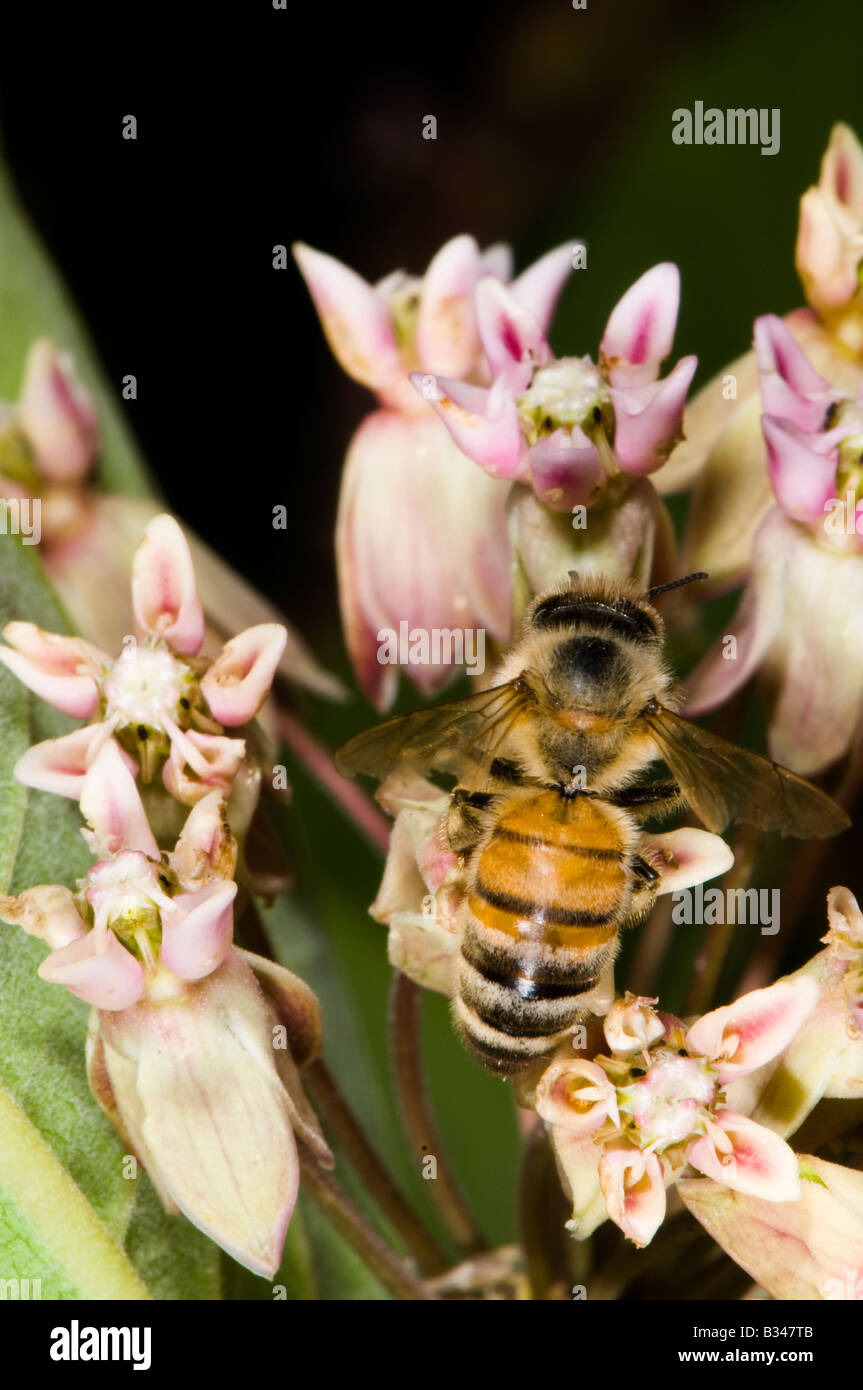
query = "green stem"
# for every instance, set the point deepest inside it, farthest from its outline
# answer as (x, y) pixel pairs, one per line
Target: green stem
(420, 1127)
(319, 762)
(392, 1272)
(542, 1213)
(340, 1119)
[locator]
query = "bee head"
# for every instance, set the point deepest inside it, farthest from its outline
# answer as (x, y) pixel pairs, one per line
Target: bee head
(603, 644)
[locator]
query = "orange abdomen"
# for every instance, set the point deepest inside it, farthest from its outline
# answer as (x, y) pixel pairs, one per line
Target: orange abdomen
(549, 890)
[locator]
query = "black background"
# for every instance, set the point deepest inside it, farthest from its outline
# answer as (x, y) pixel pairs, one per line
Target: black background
(259, 126)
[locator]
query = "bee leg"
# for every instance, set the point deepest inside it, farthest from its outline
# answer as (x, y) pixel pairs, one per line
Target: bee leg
(466, 819)
(644, 890)
(657, 799)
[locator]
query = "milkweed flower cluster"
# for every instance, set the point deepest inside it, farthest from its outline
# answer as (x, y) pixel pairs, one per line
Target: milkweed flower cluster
(184, 1052)
(165, 707)
(552, 420)
(626, 1125)
(724, 454)
(806, 569)
(422, 536)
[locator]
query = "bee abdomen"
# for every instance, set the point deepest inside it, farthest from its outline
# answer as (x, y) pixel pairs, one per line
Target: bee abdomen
(513, 1010)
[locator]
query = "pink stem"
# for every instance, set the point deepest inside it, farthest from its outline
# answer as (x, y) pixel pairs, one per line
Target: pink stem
(319, 762)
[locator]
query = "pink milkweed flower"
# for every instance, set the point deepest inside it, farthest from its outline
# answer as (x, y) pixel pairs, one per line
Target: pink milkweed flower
(824, 1060)
(421, 535)
(184, 1053)
(830, 237)
(158, 698)
(48, 443)
(56, 415)
(139, 919)
(627, 1125)
(810, 1248)
(724, 452)
(806, 567)
(552, 421)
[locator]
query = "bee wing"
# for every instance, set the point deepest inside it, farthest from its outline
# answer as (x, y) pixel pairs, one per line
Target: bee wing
(722, 783)
(449, 737)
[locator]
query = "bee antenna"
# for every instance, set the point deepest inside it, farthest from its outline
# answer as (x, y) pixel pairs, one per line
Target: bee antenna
(676, 584)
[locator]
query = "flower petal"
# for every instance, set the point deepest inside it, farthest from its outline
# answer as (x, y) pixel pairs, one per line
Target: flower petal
(56, 414)
(830, 236)
(648, 420)
(355, 318)
(632, 1024)
(759, 1163)
(111, 803)
(62, 670)
(576, 1095)
(164, 595)
(483, 423)
(577, 1160)
(809, 1249)
(746, 1034)
(59, 765)
(829, 251)
(295, 1004)
(790, 386)
(686, 857)
(814, 667)
(214, 761)
(197, 930)
(513, 340)
(537, 288)
(803, 479)
(633, 1186)
(447, 337)
(47, 911)
(421, 539)
(423, 942)
(707, 417)
(566, 470)
(213, 1112)
(640, 331)
(97, 969)
(206, 850)
(727, 668)
(239, 680)
(842, 169)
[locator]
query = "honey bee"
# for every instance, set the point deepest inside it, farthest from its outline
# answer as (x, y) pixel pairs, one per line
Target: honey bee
(551, 797)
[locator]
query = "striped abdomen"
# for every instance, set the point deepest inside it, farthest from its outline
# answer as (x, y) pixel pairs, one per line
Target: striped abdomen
(549, 891)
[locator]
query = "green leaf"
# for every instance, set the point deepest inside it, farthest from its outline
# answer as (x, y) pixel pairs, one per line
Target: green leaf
(34, 303)
(68, 1215)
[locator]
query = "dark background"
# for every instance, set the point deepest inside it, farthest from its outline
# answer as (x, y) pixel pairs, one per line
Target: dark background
(258, 126)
